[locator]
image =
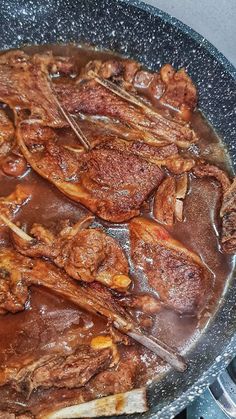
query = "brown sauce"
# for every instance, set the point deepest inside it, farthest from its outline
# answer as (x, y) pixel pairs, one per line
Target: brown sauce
(48, 318)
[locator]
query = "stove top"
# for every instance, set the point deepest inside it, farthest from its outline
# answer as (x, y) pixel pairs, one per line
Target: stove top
(218, 401)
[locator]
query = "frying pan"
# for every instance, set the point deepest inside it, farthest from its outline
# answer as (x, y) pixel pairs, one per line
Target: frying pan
(153, 38)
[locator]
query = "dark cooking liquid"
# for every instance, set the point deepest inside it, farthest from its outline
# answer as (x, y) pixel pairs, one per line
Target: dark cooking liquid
(48, 318)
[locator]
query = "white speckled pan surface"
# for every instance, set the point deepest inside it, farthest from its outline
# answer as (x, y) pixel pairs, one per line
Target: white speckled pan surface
(152, 37)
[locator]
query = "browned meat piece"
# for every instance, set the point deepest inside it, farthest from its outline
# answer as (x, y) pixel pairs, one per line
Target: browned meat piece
(55, 64)
(228, 214)
(146, 303)
(122, 71)
(93, 255)
(13, 291)
(21, 272)
(208, 170)
(24, 84)
(96, 300)
(165, 202)
(178, 275)
(180, 92)
(37, 136)
(10, 204)
(172, 88)
(6, 134)
(119, 379)
(111, 183)
(123, 179)
(72, 371)
(152, 152)
(58, 370)
(166, 156)
(14, 165)
(85, 254)
(91, 98)
(13, 295)
(178, 164)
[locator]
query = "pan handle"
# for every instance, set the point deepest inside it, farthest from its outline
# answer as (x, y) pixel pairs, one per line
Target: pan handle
(224, 392)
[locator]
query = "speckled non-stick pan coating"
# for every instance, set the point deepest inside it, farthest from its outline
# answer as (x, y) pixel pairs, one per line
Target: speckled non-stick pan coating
(152, 37)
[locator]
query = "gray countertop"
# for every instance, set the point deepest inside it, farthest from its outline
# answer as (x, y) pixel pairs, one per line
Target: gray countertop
(213, 19)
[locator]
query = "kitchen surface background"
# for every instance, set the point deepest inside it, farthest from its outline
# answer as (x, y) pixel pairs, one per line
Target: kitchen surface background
(213, 19)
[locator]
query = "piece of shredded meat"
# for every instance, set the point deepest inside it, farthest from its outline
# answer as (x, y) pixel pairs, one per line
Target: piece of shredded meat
(58, 370)
(119, 379)
(13, 289)
(178, 275)
(12, 163)
(86, 254)
(228, 215)
(209, 170)
(25, 85)
(172, 88)
(7, 132)
(146, 303)
(165, 202)
(20, 272)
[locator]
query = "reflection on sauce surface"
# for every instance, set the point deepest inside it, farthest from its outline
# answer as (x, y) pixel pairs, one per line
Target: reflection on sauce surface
(48, 318)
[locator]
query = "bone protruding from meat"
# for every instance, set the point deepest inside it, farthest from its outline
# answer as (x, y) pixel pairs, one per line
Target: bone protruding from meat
(228, 207)
(95, 97)
(86, 254)
(38, 272)
(125, 190)
(10, 205)
(16, 229)
(134, 401)
(172, 88)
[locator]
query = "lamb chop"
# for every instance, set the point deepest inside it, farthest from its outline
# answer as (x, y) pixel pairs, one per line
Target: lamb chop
(177, 274)
(25, 85)
(94, 97)
(172, 88)
(86, 254)
(18, 272)
(58, 369)
(106, 181)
